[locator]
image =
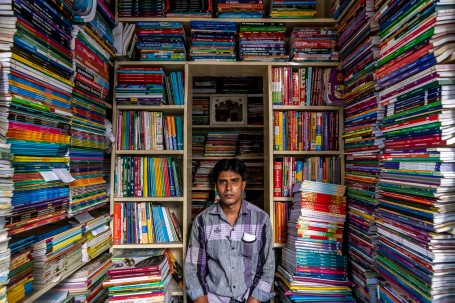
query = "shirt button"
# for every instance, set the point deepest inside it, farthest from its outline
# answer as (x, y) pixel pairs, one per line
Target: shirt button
(232, 248)
(233, 286)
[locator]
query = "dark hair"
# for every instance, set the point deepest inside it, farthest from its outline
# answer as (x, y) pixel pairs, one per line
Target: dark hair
(233, 164)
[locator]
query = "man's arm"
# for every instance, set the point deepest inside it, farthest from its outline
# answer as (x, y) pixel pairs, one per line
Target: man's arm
(262, 283)
(196, 264)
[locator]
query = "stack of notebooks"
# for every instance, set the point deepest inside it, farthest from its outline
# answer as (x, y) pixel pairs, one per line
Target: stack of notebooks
(293, 9)
(40, 88)
(240, 9)
(221, 144)
(139, 274)
(160, 41)
(86, 284)
(141, 8)
(363, 140)
(213, 41)
(313, 45)
(313, 268)
(21, 268)
(262, 42)
(148, 86)
(57, 251)
(416, 76)
(191, 9)
(98, 234)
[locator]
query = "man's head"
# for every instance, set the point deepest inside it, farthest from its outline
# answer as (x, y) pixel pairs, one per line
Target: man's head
(230, 179)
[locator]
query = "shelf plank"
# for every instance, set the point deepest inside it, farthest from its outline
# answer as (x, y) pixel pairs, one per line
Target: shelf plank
(150, 152)
(243, 158)
(227, 126)
(149, 199)
(279, 245)
(210, 189)
(152, 245)
(307, 153)
(229, 63)
(283, 199)
(161, 108)
(305, 108)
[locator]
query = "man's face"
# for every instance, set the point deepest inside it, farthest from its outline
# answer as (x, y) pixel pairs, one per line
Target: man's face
(230, 186)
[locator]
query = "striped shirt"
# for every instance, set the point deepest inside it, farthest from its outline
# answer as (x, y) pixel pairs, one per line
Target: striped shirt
(227, 261)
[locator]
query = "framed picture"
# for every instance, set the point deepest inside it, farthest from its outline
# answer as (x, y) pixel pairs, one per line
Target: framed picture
(228, 109)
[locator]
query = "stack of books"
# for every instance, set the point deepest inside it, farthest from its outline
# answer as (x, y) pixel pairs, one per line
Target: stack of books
(200, 110)
(255, 109)
(262, 42)
(221, 144)
(191, 9)
(313, 267)
(250, 144)
(141, 8)
(292, 9)
(160, 41)
(213, 41)
(98, 234)
(40, 86)
(363, 140)
(198, 144)
(139, 274)
(416, 223)
(205, 85)
(86, 284)
(313, 45)
(202, 171)
(240, 9)
(20, 275)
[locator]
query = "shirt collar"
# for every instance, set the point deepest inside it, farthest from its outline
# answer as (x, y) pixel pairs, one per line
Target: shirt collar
(217, 210)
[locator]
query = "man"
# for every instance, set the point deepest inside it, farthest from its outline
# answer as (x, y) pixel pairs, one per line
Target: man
(230, 254)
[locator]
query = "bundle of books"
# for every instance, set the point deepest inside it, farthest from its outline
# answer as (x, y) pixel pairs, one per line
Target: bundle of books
(221, 144)
(240, 9)
(416, 76)
(314, 45)
(250, 144)
(148, 177)
(200, 110)
(313, 268)
(19, 283)
(141, 8)
(202, 170)
(160, 41)
(86, 284)
(39, 94)
(363, 140)
(292, 9)
(98, 234)
(139, 274)
(255, 109)
(213, 41)
(262, 42)
(192, 8)
(205, 85)
(57, 252)
(146, 223)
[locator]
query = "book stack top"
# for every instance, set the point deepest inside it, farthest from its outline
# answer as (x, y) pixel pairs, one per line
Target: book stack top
(239, 9)
(142, 8)
(293, 9)
(189, 9)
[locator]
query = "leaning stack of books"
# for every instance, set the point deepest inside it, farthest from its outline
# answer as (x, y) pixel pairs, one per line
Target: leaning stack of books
(98, 234)
(313, 44)
(262, 41)
(293, 9)
(139, 274)
(313, 268)
(240, 9)
(363, 140)
(213, 41)
(86, 284)
(160, 41)
(21, 268)
(416, 77)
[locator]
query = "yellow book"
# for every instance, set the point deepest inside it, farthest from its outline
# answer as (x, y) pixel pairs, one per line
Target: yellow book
(151, 233)
(144, 225)
(146, 177)
(158, 176)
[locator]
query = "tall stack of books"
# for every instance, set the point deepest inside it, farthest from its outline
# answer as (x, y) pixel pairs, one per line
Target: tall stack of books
(416, 76)
(293, 9)
(240, 9)
(40, 88)
(86, 284)
(221, 144)
(139, 274)
(160, 41)
(213, 41)
(262, 42)
(200, 110)
(314, 45)
(98, 234)
(141, 8)
(363, 140)
(21, 268)
(93, 50)
(313, 268)
(193, 8)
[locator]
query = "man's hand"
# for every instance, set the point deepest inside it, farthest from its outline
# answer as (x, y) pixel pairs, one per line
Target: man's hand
(252, 300)
(203, 299)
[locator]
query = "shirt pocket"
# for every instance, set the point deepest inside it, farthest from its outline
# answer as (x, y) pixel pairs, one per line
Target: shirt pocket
(249, 249)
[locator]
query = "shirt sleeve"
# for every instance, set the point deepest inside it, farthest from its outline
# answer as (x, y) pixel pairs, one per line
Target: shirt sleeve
(262, 283)
(196, 262)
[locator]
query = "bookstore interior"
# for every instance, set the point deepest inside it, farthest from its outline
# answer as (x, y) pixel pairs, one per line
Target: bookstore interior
(113, 114)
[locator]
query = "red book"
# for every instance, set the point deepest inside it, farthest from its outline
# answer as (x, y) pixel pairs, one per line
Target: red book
(117, 223)
(138, 265)
(277, 178)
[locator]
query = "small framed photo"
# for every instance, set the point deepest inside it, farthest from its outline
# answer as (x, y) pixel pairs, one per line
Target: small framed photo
(228, 109)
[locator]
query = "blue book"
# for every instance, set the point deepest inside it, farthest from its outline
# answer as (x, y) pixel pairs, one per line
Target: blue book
(179, 131)
(170, 173)
(157, 224)
(163, 223)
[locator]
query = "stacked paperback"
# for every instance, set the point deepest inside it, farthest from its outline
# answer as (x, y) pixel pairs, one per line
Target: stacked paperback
(262, 42)
(221, 144)
(313, 268)
(292, 9)
(98, 234)
(192, 8)
(213, 41)
(160, 41)
(314, 45)
(142, 8)
(415, 78)
(240, 9)
(363, 140)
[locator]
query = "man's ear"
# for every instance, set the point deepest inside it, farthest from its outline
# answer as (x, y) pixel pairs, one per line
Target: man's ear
(243, 185)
